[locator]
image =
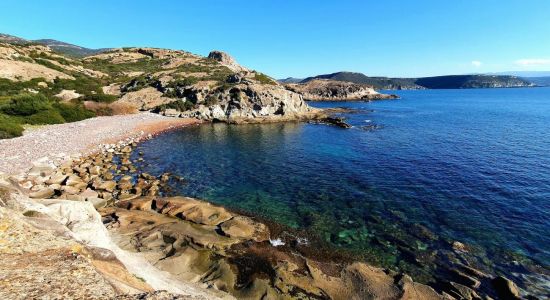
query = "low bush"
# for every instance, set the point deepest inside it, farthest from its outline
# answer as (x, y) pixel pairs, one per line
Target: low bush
(101, 98)
(72, 112)
(178, 105)
(50, 116)
(26, 105)
(82, 84)
(9, 88)
(37, 109)
(9, 127)
(49, 64)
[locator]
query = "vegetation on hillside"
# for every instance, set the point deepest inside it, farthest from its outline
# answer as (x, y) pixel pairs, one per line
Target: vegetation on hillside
(264, 79)
(175, 74)
(437, 82)
(36, 109)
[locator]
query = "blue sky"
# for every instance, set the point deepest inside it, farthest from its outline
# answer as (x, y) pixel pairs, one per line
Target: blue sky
(303, 38)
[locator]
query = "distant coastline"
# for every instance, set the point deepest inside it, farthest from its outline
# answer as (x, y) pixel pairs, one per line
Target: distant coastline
(435, 82)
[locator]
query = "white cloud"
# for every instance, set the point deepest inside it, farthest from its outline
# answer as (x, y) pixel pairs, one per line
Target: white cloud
(476, 63)
(528, 62)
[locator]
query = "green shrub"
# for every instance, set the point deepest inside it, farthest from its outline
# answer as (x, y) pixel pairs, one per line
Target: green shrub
(73, 112)
(178, 105)
(49, 64)
(186, 81)
(101, 98)
(146, 65)
(26, 105)
(82, 84)
(9, 127)
(50, 116)
(9, 88)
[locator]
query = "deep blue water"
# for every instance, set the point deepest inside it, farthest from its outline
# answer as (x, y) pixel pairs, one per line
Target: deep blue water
(467, 165)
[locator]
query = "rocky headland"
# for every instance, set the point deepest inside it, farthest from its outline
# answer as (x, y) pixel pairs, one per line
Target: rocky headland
(332, 90)
(172, 83)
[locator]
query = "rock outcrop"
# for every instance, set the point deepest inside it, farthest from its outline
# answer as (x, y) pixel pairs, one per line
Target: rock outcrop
(331, 90)
(249, 102)
(208, 245)
(226, 60)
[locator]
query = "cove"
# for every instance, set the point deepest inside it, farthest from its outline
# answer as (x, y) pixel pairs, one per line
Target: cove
(399, 189)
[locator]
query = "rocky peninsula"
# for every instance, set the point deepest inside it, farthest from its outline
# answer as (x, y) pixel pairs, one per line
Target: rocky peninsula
(332, 90)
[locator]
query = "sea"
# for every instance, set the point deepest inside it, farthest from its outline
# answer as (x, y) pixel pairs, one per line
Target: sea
(418, 184)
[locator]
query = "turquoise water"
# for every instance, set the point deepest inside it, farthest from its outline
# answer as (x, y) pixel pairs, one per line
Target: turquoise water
(412, 176)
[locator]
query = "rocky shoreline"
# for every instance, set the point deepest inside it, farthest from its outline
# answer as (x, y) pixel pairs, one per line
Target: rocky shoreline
(180, 244)
(191, 239)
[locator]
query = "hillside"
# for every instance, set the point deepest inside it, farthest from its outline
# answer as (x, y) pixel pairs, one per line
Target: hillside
(55, 45)
(39, 85)
(437, 82)
(384, 83)
(69, 49)
(332, 90)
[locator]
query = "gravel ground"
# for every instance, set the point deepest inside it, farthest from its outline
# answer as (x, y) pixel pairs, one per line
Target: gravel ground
(61, 141)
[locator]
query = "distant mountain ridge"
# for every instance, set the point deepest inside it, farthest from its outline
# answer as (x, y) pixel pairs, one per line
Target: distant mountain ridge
(435, 82)
(57, 46)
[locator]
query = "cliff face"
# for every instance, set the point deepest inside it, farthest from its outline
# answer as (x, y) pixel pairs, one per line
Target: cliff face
(249, 102)
(331, 90)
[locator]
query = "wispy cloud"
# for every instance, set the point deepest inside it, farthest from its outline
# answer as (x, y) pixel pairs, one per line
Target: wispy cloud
(528, 62)
(476, 63)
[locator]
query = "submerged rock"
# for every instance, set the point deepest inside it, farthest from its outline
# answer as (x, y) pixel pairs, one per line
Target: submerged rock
(505, 288)
(336, 121)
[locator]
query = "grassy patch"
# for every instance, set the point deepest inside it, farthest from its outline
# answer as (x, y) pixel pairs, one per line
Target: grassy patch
(26, 105)
(49, 64)
(263, 79)
(73, 112)
(100, 98)
(43, 55)
(9, 127)
(145, 65)
(82, 84)
(50, 116)
(8, 87)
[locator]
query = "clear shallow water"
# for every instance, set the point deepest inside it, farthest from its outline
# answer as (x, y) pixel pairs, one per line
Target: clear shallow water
(444, 165)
